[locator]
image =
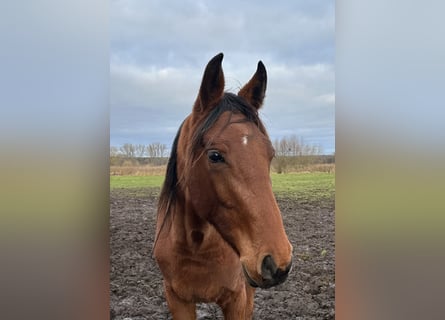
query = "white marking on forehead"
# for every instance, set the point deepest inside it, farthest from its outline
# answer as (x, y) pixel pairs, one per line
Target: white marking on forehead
(244, 139)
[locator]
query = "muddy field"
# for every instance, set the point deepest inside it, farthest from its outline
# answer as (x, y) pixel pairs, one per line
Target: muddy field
(136, 283)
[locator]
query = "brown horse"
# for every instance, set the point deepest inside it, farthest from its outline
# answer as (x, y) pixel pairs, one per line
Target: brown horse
(219, 232)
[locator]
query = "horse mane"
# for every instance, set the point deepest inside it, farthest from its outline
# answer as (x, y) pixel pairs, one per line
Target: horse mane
(229, 102)
(168, 192)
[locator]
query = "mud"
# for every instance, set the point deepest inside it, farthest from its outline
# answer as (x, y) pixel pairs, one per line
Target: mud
(136, 282)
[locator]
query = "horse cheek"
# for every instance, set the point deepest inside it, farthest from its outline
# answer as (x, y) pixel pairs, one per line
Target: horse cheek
(203, 202)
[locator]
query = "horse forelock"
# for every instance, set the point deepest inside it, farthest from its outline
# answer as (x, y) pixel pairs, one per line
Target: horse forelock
(229, 102)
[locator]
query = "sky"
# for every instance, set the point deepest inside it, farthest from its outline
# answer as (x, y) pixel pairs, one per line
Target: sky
(159, 49)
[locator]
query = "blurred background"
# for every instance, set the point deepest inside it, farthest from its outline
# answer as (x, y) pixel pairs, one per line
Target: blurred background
(389, 154)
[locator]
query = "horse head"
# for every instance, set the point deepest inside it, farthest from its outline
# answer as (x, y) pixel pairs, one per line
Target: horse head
(223, 164)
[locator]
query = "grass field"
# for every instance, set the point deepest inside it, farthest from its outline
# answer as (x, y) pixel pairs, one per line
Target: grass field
(314, 186)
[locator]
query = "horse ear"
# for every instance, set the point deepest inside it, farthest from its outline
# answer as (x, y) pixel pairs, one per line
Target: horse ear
(255, 90)
(212, 85)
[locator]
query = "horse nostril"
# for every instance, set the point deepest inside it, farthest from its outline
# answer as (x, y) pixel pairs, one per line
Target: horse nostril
(268, 268)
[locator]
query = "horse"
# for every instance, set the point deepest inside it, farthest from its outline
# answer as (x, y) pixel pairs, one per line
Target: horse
(219, 231)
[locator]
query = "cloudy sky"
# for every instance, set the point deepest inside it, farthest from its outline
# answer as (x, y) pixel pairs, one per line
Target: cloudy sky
(159, 50)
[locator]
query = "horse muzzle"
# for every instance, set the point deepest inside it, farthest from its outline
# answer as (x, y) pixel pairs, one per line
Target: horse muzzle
(271, 275)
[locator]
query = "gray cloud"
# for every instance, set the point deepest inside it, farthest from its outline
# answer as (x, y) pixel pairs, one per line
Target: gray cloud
(159, 51)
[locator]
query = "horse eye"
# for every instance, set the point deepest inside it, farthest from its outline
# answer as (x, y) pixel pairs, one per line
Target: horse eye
(214, 156)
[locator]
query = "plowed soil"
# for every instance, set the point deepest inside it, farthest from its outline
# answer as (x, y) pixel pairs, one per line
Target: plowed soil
(136, 282)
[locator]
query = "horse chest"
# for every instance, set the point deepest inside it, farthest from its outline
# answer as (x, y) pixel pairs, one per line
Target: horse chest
(204, 276)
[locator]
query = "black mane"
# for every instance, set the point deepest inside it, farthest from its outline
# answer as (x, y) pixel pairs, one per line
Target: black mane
(168, 191)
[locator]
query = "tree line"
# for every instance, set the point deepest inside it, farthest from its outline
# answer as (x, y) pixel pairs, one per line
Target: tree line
(291, 153)
(128, 150)
(292, 147)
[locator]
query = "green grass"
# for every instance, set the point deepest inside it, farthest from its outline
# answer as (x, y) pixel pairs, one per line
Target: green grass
(316, 186)
(136, 182)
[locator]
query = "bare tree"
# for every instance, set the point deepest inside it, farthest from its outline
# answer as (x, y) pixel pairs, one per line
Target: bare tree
(151, 150)
(294, 145)
(114, 151)
(162, 149)
(156, 150)
(140, 150)
(127, 150)
(293, 152)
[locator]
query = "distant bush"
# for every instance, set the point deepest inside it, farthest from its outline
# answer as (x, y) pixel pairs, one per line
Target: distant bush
(285, 164)
(124, 161)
